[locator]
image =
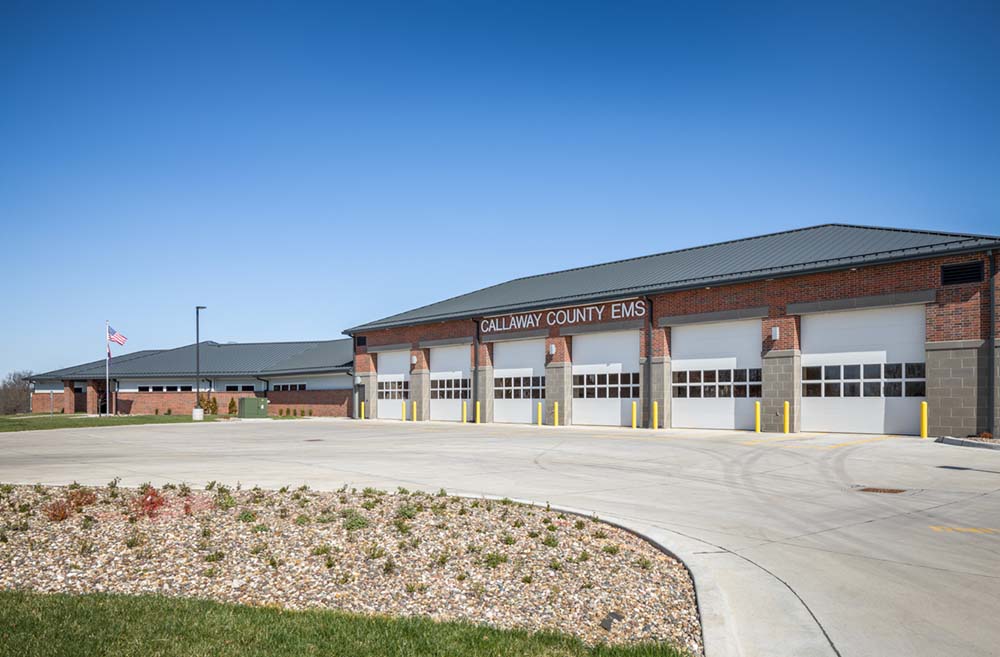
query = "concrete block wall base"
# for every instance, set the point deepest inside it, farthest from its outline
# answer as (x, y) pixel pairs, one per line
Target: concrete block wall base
(559, 388)
(420, 392)
(782, 381)
(484, 384)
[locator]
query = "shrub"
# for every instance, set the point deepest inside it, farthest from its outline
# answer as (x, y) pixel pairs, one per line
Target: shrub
(526, 579)
(58, 510)
(156, 411)
(214, 406)
(247, 516)
(374, 551)
(644, 563)
(214, 556)
(579, 524)
(389, 567)
(407, 511)
(610, 549)
(233, 406)
(494, 559)
(169, 411)
(320, 550)
(555, 565)
(149, 502)
(584, 556)
(600, 533)
(295, 412)
(302, 520)
(81, 497)
(353, 520)
(259, 529)
(507, 539)
(401, 526)
(550, 541)
(310, 412)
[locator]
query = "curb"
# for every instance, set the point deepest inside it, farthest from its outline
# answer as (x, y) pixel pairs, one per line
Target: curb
(962, 442)
(718, 636)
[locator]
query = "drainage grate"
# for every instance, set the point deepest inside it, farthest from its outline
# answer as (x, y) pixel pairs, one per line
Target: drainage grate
(313, 440)
(882, 490)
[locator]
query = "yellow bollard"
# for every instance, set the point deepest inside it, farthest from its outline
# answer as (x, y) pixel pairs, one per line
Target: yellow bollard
(633, 415)
(756, 417)
(539, 413)
(656, 415)
(786, 417)
(403, 405)
(414, 414)
(923, 419)
(465, 411)
(477, 412)
(362, 410)
(555, 414)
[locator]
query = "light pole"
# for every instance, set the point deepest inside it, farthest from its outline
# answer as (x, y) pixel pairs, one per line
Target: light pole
(197, 355)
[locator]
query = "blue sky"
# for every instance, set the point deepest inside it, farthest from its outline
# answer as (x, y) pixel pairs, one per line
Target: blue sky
(304, 167)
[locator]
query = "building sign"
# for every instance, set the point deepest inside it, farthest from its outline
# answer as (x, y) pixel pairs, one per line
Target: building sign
(595, 313)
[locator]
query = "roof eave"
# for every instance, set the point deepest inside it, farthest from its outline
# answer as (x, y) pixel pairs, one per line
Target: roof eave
(749, 277)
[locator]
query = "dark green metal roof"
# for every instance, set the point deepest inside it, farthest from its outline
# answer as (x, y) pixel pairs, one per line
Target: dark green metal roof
(792, 252)
(235, 359)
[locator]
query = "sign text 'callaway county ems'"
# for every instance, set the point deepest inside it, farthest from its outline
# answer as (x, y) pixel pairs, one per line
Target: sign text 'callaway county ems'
(603, 312)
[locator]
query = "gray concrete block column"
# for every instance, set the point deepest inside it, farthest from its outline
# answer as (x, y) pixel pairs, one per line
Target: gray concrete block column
(484, 383)
(957, 387)
(559, 388)
(369, 395)
(659, 388)
(782, 381)
(420, 392)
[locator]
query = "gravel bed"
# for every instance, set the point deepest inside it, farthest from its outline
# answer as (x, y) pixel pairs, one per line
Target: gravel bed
(405, 553)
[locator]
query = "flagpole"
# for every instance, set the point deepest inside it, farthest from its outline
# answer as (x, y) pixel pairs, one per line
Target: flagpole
(107, 368)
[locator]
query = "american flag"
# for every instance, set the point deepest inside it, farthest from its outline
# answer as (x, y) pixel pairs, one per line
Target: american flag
(116, 337)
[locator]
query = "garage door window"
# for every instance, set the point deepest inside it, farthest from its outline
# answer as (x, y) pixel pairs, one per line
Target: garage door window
(450, 388)
(519, 387)
(393, 389)
(611, 385)
(870, 380)
(711, 384)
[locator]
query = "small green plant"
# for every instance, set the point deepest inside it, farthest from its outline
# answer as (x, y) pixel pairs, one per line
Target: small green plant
(156, 411)
(233, 407)
(320, 550)
(402, 491)
(247, 516)
(610, 549)
(461, 577)
(302, 520)
(374, 551)
(389, 567)
(259, 529)
(442, 493)
(518, 523)
(442, 559)
(258, 548)
(415, 587)
(584, 556)
(273, 562)
(579, 524)
(169, 411)
(183, 490)
(600, 533)
(401, 526)
(214, 556)
(494, 559)
(533, 534)
(407, 511)
(550, 541)
(507, 539)
(88, 522)
(369, 504)
(555, 565)
(645, 563)
(210, 572)
(353, 520)
(329, 561)
(134, 540)
(527, 579)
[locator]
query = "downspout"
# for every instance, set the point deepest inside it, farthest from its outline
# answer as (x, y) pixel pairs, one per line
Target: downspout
(475, 364)
(992, 356)
(267, 384)
(648, 376)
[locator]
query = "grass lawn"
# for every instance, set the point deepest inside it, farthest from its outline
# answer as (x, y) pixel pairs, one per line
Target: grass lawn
(33, 422)
(33, 625)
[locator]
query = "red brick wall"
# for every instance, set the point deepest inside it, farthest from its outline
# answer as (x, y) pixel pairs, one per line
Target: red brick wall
(40, 402)
(179, 403)
(960, 312)
(325, 403)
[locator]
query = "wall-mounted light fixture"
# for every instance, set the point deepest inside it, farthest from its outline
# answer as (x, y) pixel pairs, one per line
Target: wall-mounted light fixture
(357, 380)
(413, 360)
(552, 349)
(775, 333)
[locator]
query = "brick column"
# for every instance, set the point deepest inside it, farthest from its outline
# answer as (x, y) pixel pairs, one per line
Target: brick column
(69, 397)
(957, 388)
(93, 405)
(559, 380)
(484, 385)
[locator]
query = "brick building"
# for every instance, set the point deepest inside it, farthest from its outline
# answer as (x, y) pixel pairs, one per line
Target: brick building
(304, 377)
(852, 326)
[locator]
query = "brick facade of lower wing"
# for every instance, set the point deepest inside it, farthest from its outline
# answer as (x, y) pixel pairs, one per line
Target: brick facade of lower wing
(323, 403)
(178, 403)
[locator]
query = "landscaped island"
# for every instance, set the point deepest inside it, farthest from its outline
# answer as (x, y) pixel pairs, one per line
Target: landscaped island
(449, 558)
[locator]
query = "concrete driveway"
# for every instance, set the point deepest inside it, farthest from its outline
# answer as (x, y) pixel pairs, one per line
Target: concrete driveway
(789, 556)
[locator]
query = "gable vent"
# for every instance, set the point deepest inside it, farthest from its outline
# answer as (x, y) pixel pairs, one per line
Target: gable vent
(966, 272)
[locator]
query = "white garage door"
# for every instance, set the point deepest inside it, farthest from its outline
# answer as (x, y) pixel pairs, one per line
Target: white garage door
(393, 377)
(450, 381)
(716, 374)
(605, 377)
(863, 370)
(519, 380)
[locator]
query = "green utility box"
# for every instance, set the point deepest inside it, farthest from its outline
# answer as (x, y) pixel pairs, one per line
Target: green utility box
(253, 407)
